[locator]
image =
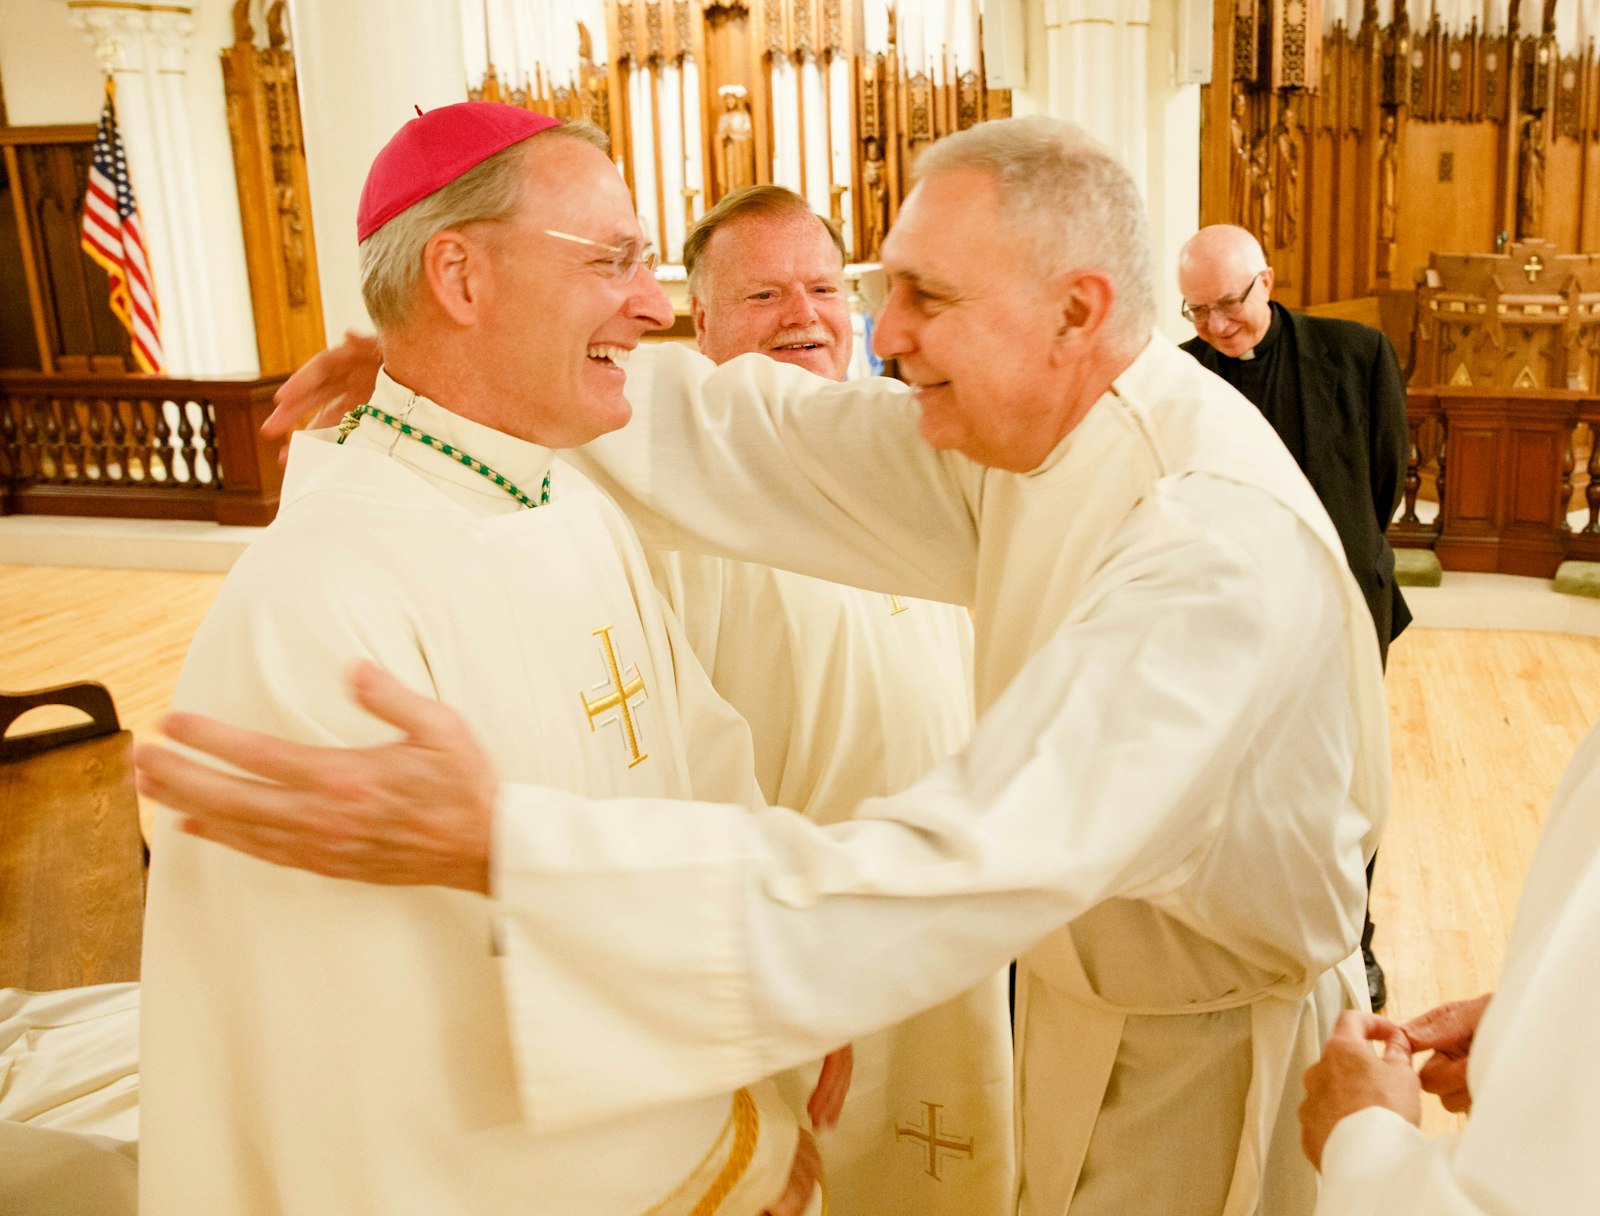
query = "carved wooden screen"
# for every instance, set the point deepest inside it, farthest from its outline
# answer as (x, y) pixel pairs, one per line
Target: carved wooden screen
(870, 108)
(55, 306)
(1403, 142)
(274, 195)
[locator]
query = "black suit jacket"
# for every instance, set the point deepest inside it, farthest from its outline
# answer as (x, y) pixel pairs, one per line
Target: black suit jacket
(1353, 418)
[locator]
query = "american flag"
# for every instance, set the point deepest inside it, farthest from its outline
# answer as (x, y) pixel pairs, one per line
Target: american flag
(113, 237)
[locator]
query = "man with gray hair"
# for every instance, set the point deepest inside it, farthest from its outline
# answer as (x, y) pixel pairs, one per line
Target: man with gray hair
(312, 1045)
(1180, 764)
(850, 694)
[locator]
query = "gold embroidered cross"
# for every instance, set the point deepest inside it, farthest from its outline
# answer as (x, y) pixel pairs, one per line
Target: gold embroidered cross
(930, 1136)
(621, 689)
(1532, 267)
(895, 606)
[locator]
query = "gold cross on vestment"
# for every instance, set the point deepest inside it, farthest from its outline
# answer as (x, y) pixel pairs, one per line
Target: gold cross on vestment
(1532, 267)
(936, 1143)
(895, 606)
(620, 689)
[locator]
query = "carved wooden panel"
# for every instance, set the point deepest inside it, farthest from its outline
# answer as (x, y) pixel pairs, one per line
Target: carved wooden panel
(1411, 140)
(896, 108)
(58, 313)
(274, 193)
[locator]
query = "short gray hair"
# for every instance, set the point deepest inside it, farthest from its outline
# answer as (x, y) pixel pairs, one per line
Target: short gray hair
(1075, 203)
(391, 258)
(747, 201)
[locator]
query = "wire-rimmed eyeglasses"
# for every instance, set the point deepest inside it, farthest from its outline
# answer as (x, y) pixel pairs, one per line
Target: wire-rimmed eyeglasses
(625, 258)
(1228, 307)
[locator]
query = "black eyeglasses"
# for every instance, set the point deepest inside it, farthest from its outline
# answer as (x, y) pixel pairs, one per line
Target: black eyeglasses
(1228, 307)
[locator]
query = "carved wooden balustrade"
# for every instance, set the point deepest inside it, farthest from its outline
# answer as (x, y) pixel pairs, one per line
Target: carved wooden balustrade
(1503, 466)
(149, 447)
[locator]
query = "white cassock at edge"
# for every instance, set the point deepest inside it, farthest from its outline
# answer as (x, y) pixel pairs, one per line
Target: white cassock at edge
(1528, 1148)
(851, 694)
(313, 1046)
(1180, 767)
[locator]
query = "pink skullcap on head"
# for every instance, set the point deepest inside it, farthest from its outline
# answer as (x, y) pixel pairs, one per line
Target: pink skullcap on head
(434, 149)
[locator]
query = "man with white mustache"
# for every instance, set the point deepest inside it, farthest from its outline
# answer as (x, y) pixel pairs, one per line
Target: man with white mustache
(850, 694)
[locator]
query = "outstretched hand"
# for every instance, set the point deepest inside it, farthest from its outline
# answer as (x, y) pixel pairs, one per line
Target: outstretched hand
(1351, 1077)
(1447, 1031)
(325, 387)
(415, 812)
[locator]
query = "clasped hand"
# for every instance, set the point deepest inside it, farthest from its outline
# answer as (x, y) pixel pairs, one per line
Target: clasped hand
(1351, 1076)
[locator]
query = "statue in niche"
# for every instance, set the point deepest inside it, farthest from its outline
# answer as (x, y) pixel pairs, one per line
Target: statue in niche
(1530, 179)
(292, 230)
(736, 141)
(872, 190)
(1388, 178)
(1286, 169)
(1239, 155)
(1388, 192)
(1260, 212)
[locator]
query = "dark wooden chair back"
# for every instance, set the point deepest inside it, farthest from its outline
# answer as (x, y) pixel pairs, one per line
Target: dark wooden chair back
(72, 861)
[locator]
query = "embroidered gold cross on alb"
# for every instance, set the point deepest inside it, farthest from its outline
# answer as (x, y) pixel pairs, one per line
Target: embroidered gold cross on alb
(623, 689)
(936, 1143)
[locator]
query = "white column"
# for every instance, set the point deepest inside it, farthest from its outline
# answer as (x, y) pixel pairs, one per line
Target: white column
(1172, 176)
(363, 65)
(1111, 67)
(843, 143)
(814, 117)
(174, 126)
(672, 136)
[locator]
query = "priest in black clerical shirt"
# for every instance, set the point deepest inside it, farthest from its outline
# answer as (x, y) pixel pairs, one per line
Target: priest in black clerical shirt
(1334, 393)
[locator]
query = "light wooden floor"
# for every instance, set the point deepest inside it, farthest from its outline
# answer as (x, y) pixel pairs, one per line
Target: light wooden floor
(1483, 724)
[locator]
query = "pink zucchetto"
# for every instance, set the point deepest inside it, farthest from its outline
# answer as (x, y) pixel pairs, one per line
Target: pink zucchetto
(434, 149)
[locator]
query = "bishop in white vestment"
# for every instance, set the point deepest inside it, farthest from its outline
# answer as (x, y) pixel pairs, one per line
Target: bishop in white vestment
(315, 1045)
(312, 1045)
(1528, 1147)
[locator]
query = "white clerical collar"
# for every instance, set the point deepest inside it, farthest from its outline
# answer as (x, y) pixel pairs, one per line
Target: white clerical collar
(518, 461)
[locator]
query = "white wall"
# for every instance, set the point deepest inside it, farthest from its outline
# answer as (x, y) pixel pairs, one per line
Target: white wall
(363, 65)
(1110, 66)
(50, 76)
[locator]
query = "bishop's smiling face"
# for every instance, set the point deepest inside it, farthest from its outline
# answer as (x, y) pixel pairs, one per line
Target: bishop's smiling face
(559, 319)
(775, 284)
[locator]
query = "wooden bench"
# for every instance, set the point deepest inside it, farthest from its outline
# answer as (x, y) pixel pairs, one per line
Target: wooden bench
(72, 861)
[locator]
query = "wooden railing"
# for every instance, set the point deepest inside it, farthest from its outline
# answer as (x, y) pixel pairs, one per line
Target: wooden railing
(1503, 468)
(149, 447)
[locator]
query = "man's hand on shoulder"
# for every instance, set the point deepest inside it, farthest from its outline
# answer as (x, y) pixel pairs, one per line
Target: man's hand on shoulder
(325, 387)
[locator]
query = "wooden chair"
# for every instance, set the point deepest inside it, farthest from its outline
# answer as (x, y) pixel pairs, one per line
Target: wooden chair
(72, 861)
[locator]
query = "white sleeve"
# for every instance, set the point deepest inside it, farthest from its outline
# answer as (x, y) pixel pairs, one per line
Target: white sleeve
(766, 462)
(719, 945)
